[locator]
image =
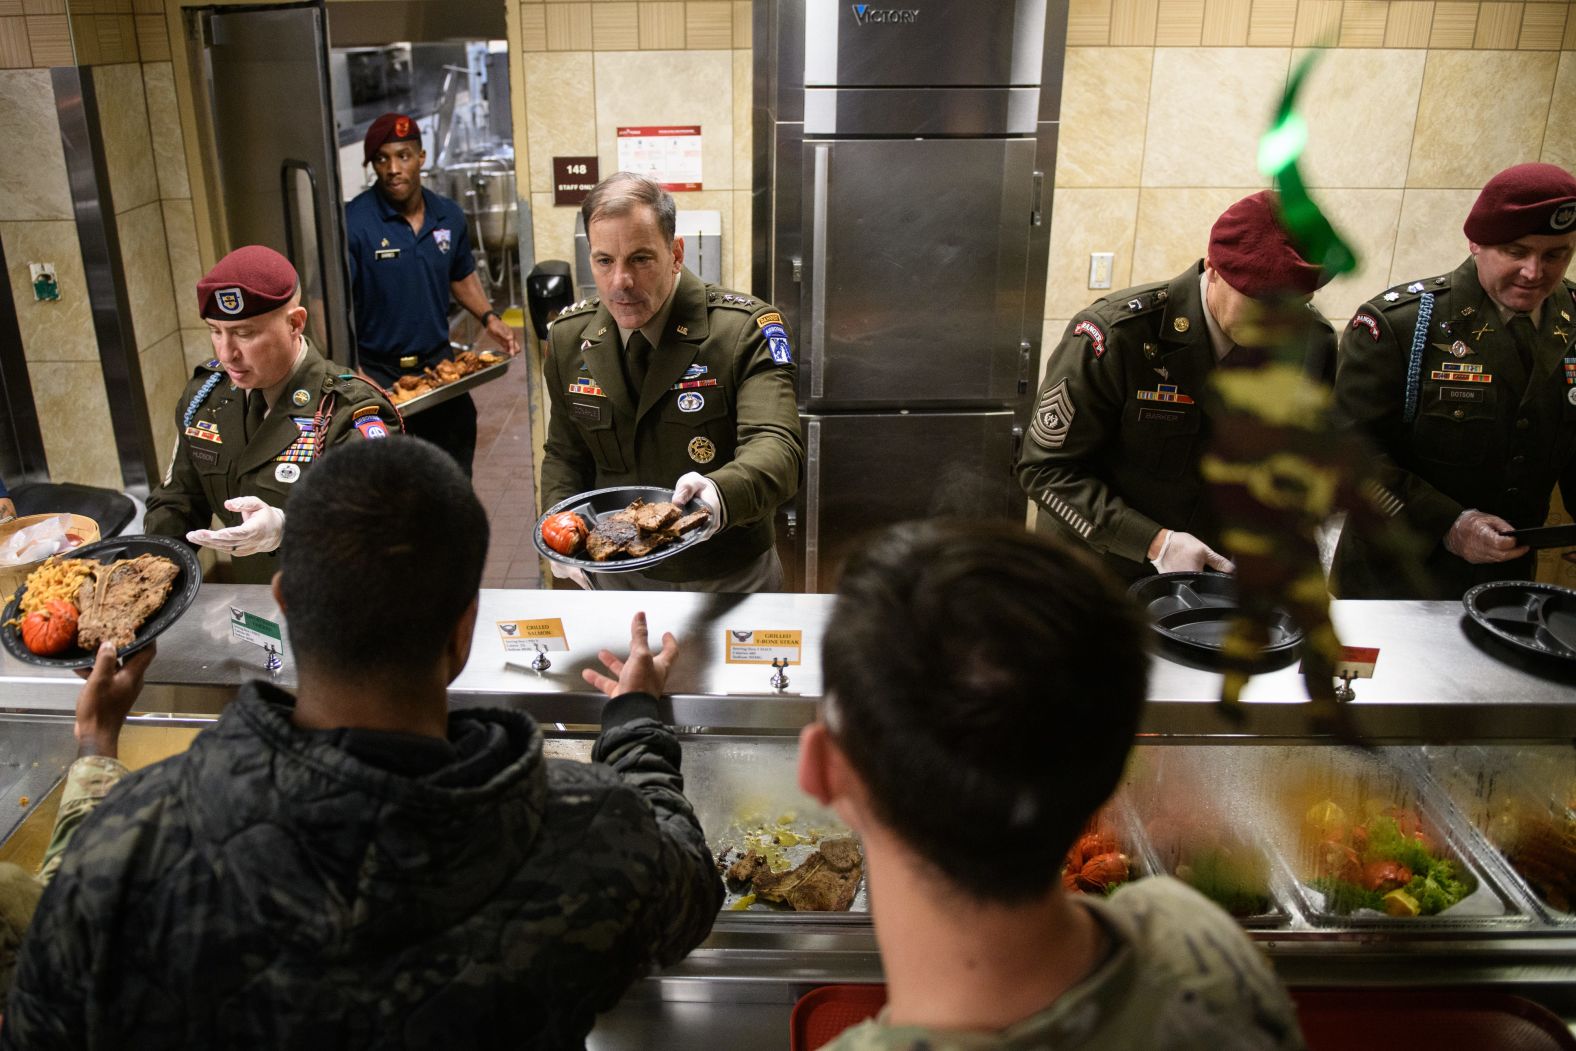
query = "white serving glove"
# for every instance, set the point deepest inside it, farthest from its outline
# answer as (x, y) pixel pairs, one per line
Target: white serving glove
(1476, 537)
(692, 486)
(572, 573)
(1186, 553)
(262, 527)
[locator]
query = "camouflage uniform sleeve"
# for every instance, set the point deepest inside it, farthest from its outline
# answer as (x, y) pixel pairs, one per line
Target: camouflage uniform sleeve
(567, 465)
(645, 753)
(19, 894)
(1370, 388)
(1076, 415)
(178, 505)
(769, 457)
(88, 781)
(49, 1002)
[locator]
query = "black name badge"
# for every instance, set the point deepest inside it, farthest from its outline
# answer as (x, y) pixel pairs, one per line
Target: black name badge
(1462, 394)
(386, 253)
(1160, 415)
(207, 457)
(581, 410)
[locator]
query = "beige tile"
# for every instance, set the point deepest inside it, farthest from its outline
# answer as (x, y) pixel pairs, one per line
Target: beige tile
(128, 147)
(1363, 23)
(1088, 23)
(1273, 23)
(1318, 23)
(196, 348)
(637, 88)
(743, 24)
(560, 112)
(180, 237)
(1226, 22)
(1409, 23)
(1542, 26)
(569, 27)
(11, 8)
(147, 7)
(743, 253)
(1368, 220)
(117, 38)
(1466, 133)
(73, 414)
(1559, 140)
(1105, 106)
(554, 230)
(153, 38)
(15, 51)
(709, 24)
(1498, 26)
(164, 375)
(44, 7)
(1455, 23)
(1360, 106)
(35, 180)
(661, 26)
(145, 258)
(533, 27)
(61, 330)
(743, 120)
(164, 124)
(1173, 228)
(84, 40)
(50, 39)
(1429, 240)
(1569, 43)
(1230, 92)
(1133, 22)
(1085, 221)
(615, 27)
(1180, 23)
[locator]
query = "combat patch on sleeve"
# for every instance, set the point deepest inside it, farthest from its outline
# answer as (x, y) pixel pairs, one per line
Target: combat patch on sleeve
(372, 427)
(1053, 416)
(1368, 322)
(1096, 337)
(777, 340)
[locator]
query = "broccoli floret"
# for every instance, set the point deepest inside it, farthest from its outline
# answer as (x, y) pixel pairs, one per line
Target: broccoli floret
(1438, 888)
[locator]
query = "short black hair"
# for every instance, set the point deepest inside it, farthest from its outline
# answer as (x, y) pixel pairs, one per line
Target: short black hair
(986, 684)
(382, 554)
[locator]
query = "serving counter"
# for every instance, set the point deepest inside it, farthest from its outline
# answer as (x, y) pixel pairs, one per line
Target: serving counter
(1435, 681)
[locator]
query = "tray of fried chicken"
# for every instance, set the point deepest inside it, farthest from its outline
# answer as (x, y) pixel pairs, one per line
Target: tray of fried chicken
(619, 529)
(447, 379)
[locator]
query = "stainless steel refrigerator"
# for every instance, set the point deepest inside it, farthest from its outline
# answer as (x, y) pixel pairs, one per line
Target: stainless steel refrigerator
(904, 157)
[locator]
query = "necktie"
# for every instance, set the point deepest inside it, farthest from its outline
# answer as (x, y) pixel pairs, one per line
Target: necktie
(256, 409)
(637, 356)
(1526, 337)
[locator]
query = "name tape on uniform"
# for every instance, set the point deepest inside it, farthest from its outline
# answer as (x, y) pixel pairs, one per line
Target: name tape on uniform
(259, 631)
(762, 647)
(532, 636)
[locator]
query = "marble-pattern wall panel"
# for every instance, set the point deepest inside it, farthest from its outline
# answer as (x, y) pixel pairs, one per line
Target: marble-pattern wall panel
(34, 178)
(1360, 106)
(1559, 139)
(1368, 220)
(560, 111)
(1429, 240)
(554, 230)
(164, 376)
(164, 123)
(743, 119)
(180, 237)
(1105, 106)
(196, 348)
(1467, 131)
(61, 330)
(1085, 221)
(128, 146)
(743, 248)
(1173, 228)
(145, 258)
(73, 414)
(1207, 108)
(639, 88)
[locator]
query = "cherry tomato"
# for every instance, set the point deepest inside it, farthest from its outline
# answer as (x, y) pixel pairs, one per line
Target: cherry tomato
(565, 532)
(50, 630)
(1385, 875)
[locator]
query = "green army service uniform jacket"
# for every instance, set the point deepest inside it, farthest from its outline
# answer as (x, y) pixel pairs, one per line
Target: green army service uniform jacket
(718, 399)
(1121, 421)
(1431, 374)
(319, 407)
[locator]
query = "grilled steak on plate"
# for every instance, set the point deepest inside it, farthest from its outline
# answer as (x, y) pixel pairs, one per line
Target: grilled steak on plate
(120, 597)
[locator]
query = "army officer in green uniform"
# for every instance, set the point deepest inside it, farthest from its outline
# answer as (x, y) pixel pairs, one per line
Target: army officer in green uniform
(1466, 382)
(256, 416)
(664, 380)
(1121, 420)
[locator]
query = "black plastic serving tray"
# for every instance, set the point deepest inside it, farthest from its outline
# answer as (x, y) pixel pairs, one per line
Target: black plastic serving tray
(182, 592)
(1533, 617)
(1193, 611)
(598, 502)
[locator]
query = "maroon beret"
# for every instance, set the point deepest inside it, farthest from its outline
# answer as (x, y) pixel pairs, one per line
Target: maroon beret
(249, 281)
(1249, 247)
(391, 127)
(1522, 200)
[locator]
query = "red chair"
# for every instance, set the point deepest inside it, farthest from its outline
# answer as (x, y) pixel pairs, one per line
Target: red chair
(1436, 1019)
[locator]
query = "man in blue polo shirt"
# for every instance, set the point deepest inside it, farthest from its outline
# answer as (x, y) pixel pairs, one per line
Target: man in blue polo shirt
(409, 251)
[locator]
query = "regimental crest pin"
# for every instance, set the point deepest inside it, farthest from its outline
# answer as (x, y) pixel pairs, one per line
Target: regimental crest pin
(1053, 417)
(1180, 324)
(230, 300)
(1563, 219)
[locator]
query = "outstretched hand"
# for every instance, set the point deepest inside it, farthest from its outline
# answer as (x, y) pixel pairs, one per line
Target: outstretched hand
(642, 671)
(105, 701)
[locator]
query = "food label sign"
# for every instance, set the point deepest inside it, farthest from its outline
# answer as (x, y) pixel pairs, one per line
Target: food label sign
(573, 179)
(1356, 662)
(259, 631)
(532, 636)
(670, 155)
(763, 647)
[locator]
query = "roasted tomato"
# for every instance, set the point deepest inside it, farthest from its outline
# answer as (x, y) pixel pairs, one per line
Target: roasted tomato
(1089, 845)
(565, 532)
(1102, 871)
(50, 630)
(1338, 861)
(1385, 876)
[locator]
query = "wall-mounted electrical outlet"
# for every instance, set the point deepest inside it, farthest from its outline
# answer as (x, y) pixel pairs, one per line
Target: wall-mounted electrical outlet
(1101, 264)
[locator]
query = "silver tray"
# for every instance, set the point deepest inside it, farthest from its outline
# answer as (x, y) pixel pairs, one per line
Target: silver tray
(453, 390)
(593, 505)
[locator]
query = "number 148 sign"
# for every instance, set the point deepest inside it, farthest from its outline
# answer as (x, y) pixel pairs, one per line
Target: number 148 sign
(573, 178)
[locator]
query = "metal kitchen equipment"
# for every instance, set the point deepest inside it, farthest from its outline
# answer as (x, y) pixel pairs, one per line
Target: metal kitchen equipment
(904, 158)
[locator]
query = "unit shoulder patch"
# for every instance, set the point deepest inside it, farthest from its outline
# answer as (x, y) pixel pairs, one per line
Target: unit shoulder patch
(1095, 335)
(1368, 323)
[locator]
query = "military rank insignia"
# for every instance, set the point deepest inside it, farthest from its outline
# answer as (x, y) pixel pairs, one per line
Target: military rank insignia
(1053, 417)
(205, 430)
(302, 449)
(1164, 392)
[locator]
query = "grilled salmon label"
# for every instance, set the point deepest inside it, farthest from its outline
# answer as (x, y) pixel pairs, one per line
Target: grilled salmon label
(762, 646)
(532, 636)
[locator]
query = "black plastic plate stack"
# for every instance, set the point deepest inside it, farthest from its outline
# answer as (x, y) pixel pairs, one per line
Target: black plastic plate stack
(594, 505)
(1193, 611)
(1535, 618)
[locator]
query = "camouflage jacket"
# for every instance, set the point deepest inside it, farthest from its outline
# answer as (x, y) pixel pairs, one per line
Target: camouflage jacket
(1180, 975)
(268, 889)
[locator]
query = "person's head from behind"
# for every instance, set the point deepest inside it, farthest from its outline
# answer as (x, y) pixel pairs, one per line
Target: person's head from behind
(380, 564)
(983, 688)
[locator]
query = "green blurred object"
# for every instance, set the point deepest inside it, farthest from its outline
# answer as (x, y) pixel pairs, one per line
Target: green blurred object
(1279, 150)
